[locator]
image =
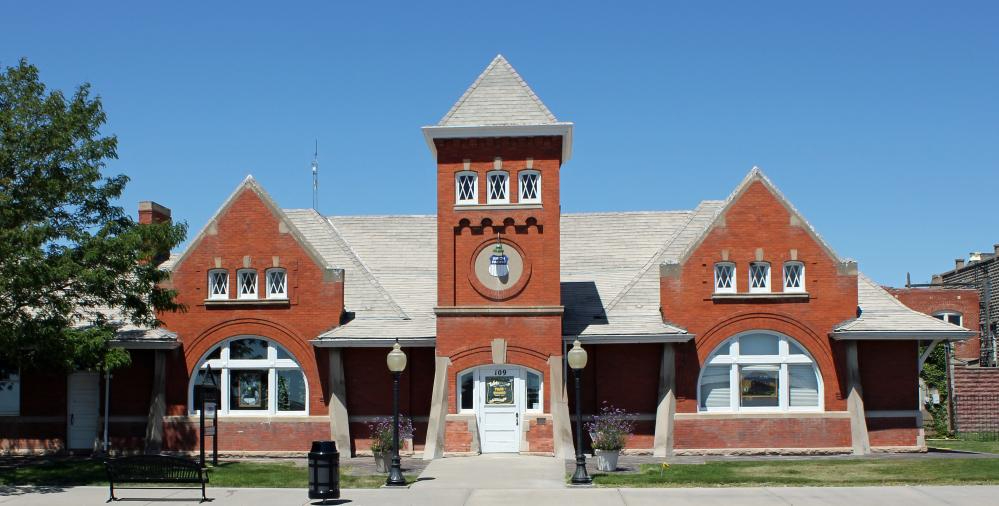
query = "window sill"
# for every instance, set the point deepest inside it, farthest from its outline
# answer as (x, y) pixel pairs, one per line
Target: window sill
(497, 207)
(246, 302)
(745, 297)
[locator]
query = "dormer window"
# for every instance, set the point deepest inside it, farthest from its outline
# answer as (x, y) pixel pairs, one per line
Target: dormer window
(498, 183)
(277, 284)
(794, 277)
(530, 187)
(466, 188)
(247, 283)
(759, 277)
(218, 284)
(725, 277)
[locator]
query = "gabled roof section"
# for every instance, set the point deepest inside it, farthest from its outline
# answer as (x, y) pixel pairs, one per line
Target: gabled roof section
(250, 184)
(882, 316)
(498, 97)
(753, 176)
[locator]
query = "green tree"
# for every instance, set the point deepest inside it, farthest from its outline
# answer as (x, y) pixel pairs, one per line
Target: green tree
(68, 255)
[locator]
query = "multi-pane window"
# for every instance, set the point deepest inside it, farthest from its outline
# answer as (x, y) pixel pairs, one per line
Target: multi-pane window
(725, 277)
(247, 279)
(498, 191)
(759, 277)
(10, 391)
(466, 188)
(950, 317)
(218, 284)
(760, 371)
(530, 186)
(794, 277)
(256, 376)
(277, 284)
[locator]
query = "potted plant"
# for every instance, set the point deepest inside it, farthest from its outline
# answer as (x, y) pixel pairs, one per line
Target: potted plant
(381, 439)
(609, 431)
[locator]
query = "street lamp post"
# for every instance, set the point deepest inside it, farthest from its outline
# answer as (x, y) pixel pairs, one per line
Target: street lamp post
(396, 363)
(577, 361)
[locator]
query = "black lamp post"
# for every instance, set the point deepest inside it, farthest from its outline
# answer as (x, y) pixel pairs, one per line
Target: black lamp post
(577, 361)
(396, 363)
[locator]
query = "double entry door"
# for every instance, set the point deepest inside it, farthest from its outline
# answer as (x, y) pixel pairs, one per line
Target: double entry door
(499, 407)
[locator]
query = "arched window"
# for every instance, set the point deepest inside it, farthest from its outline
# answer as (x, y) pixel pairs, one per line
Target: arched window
(759, 277)
(760, 371)
(794, 277)
(530, 187)
(950, 317)
(725, 277)
(218, 284)
(466, 187)
(277, 283)
(256, 377)
(498, 187)
(247, 279)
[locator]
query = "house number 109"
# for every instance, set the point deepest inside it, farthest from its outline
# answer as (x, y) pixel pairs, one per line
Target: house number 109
(501, 372)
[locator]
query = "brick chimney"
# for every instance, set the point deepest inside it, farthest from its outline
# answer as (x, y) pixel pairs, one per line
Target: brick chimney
(151, 212)
(958, 263)
(995, 249)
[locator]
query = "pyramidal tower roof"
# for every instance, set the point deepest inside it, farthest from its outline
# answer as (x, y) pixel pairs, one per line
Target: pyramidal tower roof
(499, 104)
(498, 97)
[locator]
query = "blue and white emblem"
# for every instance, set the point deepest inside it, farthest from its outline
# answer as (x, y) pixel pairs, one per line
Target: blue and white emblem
(499, 263)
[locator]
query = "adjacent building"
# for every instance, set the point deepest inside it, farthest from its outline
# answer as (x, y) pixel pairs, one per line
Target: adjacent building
(732, 327)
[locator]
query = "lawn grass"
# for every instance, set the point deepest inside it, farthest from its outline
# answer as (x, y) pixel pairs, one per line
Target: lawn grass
(852, 472)
(964, 445)
(68, 473)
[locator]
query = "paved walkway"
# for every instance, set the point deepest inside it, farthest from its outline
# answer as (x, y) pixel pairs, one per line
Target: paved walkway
(493, 471)
(416, 496)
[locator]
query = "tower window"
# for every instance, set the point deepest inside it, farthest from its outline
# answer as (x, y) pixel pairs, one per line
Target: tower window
(530, 186)
(759, 277)
(499, 187)
(466, 188)
(794, 277)
(725, 277)
(218, 284)
(277, 284)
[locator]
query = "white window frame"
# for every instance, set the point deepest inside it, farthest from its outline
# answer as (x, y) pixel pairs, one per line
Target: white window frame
(211, 292)
(541, 391)
(520, 382)
(520, 187)
(506, 187)
(760, 289)
(475, 188)
(239, 284)
(267, 283)
(224, 365)
(734, 277)
(801, 279)
(782, 360)
(458, 396)
(10, 395)
(942, 315)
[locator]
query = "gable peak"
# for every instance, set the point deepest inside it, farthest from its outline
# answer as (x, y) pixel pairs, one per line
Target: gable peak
(498, 97)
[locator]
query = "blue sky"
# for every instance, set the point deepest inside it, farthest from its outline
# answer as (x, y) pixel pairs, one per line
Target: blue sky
(877, 119)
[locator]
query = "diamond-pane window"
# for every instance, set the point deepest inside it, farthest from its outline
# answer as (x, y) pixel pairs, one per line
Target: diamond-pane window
(467, 188)
(759, 277)
(725, 278)
(530, 186)
(277, 284)
(794, 277)
(218, 284)
(499, 186)
(247, 283)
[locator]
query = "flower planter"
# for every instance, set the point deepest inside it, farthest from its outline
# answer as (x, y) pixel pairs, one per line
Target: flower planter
(607, 459)
(382, 462)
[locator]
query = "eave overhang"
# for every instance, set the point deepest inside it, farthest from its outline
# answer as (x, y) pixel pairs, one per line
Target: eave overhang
(560, 129)
(377, 342)
(901, 335)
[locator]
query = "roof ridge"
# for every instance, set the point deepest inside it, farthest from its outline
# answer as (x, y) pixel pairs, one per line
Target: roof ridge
(498, 60)
(365, 271)
(654, 260)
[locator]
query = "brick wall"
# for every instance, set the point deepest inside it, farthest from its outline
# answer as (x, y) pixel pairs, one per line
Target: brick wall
(757, 432)
(252, 434)
(976, 399)
(934, 300)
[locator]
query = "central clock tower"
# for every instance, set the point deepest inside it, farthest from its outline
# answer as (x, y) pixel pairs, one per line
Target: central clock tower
(499, 152)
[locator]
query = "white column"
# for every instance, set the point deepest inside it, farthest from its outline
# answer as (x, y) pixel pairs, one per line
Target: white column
(562, 429)
(339, 421)
(157, 404)
(855, 402)
(665, 411)
(433, 447)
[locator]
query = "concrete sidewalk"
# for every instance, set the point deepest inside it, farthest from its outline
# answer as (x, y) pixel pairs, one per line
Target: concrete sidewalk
(805, 496)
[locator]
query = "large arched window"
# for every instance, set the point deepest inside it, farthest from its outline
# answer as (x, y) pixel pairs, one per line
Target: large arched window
(256, 377)
(760, 371)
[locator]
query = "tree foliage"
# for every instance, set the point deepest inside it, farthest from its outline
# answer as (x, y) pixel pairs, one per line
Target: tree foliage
(69, 256)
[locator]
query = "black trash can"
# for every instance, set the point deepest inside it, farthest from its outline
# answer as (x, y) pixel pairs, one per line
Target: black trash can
(324, 471)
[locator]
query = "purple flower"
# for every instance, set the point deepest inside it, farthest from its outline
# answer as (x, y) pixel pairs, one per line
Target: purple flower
(610, 428)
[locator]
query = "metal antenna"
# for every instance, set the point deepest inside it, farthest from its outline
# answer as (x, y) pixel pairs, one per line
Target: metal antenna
(315, 178)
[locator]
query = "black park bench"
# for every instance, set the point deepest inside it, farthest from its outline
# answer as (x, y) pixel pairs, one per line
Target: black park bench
(153, 469)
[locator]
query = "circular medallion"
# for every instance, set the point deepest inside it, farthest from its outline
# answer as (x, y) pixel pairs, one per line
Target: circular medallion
(499, 270)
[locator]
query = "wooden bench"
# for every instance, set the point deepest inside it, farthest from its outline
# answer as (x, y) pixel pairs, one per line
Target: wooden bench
(152, 469)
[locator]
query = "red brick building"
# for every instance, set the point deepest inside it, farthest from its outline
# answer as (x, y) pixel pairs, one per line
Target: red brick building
(732, 327)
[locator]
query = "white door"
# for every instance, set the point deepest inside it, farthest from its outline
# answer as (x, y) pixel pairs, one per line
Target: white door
(499, 407)
(84, 396)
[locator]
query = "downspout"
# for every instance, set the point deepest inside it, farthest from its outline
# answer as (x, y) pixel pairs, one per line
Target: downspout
(107, 404)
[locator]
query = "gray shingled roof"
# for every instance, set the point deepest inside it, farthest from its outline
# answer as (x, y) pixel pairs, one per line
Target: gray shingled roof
(128, 334)
(499, 97)
(882, 316)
